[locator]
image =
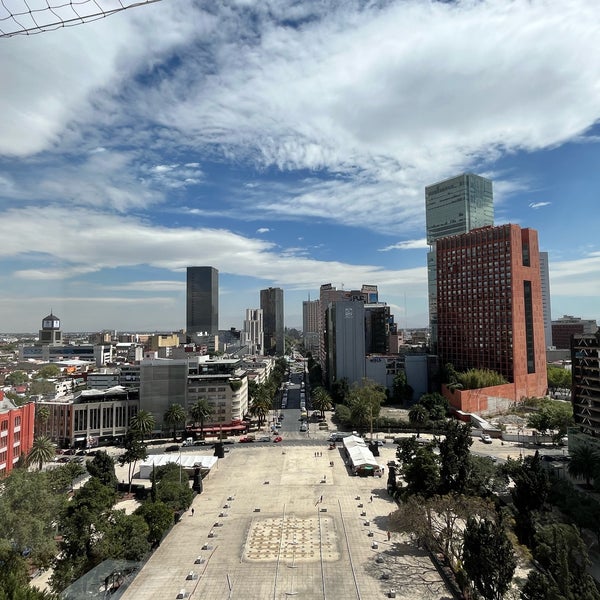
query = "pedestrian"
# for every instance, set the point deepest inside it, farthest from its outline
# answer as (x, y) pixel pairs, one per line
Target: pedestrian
(371, 499)
(321, 499)
(192, 512)
(389, 536)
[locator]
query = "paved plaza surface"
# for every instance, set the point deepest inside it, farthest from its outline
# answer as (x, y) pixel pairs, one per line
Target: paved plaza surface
(277, 521)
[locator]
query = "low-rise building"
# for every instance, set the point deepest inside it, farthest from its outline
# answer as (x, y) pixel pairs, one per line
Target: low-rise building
(16, 432)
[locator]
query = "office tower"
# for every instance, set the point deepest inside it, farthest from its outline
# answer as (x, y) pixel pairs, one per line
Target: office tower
(567, 326)
(310, 326)
(346, 340)
(202, 301)
(545, 279)
(329, 294)
(452, 207)
(271, 303)
(253, 336)
(490, 306)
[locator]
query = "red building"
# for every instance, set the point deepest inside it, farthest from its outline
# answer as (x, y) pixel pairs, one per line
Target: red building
(16, 432)
(490, 313)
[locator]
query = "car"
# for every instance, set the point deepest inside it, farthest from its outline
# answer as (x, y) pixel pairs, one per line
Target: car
(278, 439)
(264, 438)
(200, 443)
(303, 427)
(173, 448)
(246, 439)
(485, 438)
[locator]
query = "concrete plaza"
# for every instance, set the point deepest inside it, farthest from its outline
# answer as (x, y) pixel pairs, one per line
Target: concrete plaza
(275, 521)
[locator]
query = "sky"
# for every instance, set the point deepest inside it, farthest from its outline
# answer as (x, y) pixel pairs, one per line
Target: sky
(286, 143)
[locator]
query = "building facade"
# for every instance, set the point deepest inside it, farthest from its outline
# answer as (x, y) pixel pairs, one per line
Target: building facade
(567, 326)
(346, 341)
(271, 303)
(253, 335)
(310, 326)
(490, 313)
(585, 365)
(453, 207)
(16, 432)
(202, 295)
(546, 304)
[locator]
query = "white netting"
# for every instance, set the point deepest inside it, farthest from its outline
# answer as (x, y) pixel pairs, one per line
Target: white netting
(26, 17)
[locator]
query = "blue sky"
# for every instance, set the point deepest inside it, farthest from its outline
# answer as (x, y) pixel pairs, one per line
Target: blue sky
(287, 144)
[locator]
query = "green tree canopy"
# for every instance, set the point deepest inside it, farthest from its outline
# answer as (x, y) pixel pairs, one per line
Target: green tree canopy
(559, 378)
(42, 451)
(585, 463)
(16, 378)
(135, 450)
(488, 557)
(365, 402)
(159, 518)
(201, 410)
(418, 416)
(175, 417)
(102, 466)
(49, 372)
(321, 400)
(144, 422)
(455, 458)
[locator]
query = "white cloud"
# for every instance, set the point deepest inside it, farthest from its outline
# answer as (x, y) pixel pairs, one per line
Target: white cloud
(536, 205)
(407, 245)
(263, 230)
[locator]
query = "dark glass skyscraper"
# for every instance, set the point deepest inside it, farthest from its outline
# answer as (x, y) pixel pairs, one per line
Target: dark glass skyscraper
(271, 302)
(202, 301)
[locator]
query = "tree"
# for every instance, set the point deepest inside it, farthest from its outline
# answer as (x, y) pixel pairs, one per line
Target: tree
(102, 466)
(529, 493)
(16, 378)
(436, 405)
(135, 450)
(29, 506)
(200, 411)
(540, 587)
(174, 416)
(261, 405)
(42, 450)
(340, 389)
(402, 393)
(160, 519)
(41, 387)
(558, 378)
(42, 414)
(123, 536)
(488, 557)
(50, 371)
(365, 402)
(455, 458)
(552, 415)
(585, 463)
(321, 400)
(172, 486)
(438, 522)
(560, 550)
(418, 417)
(422, 473)
(144, 422)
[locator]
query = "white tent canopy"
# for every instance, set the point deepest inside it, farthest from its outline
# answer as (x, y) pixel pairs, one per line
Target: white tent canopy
(358, 452)
(188, 462)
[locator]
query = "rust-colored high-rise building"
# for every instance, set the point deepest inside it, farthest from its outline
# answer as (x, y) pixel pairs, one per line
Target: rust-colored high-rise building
(490, 313)
(16, 432)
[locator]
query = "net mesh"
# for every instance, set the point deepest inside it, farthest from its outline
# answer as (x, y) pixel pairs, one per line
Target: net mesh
(27, 17)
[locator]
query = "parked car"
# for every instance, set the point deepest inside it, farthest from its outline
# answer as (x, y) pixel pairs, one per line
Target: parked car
(303, 426)
(173, 448)
(264, 438)
(246, 439)
(485, 438)
(278, 439)
(200, 443)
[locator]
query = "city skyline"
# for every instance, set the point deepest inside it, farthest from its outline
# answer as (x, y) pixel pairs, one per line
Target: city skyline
(287, 146)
